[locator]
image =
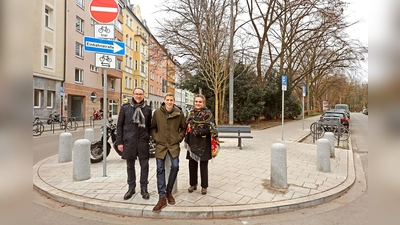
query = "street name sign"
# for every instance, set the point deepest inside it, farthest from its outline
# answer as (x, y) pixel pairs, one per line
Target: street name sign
(92, 44)
(104, 11)
(105, 61)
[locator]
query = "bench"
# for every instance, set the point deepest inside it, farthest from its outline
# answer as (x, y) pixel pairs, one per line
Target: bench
(234, 129)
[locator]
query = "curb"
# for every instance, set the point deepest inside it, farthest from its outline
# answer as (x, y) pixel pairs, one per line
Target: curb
(204, 212)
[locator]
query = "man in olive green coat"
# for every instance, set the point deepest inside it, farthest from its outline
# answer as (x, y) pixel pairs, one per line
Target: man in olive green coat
(168, 128)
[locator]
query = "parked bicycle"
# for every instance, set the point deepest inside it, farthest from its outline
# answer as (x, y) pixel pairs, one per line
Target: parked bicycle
(319, 128)
(38, 127)
(56, 118)
(71, 123)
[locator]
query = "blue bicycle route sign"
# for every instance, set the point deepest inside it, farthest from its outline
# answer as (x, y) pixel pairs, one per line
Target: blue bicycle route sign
(98, 45)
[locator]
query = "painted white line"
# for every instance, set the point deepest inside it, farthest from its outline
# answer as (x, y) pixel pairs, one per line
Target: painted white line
(103, 9)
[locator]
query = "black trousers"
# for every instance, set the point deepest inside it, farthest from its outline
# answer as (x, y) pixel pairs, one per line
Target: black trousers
(144, 173)
(193, 168)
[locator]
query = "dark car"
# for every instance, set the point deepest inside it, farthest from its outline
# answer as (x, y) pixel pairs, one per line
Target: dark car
(344, 120)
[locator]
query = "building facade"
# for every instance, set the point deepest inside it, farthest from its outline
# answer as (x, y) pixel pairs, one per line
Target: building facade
(48, 56)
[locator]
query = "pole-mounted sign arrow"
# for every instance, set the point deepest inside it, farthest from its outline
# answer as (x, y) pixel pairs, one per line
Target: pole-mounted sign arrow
(103, 46)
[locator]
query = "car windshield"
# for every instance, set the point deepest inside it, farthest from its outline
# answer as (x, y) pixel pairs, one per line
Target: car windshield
(341, 107)
(333, 115)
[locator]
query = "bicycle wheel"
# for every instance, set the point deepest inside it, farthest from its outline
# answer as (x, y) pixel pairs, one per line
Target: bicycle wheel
(63, 124)
(69, 125)
(36, 129)
(341, 132)
(317, 130)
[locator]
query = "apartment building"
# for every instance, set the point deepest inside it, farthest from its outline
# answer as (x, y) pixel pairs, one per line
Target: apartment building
(48, 56)
(84, 82)
(158, 75)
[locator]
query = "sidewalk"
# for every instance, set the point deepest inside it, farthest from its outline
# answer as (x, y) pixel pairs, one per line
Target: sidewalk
(238, 180)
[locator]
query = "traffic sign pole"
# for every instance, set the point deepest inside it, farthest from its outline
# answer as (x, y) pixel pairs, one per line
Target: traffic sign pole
(284, 85)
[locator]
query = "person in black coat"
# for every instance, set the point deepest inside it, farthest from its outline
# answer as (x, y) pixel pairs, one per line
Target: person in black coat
(133, 135)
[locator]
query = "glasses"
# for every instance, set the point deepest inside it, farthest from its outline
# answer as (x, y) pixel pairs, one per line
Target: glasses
(138, 94)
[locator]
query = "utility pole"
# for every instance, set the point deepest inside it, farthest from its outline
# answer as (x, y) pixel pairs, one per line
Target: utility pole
(231, 67)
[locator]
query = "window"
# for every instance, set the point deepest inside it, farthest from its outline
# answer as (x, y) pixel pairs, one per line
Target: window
(37, 98)
(130, 42)
(142, 67)
(78, 75)
(136, 46)
(48, 15)
(78, 49)
(151, 75)
(94, 69)
(126, 82)
(119, 64)
(93, 22)
(143, 50)
(136, 65)
(47, 57)
(136, 83)
(127, 40)
(81, 3)
(50, 99)
(130, 83)
(142, 84)
(79, 25)
(112, 84)
(118, 25)
(127, 20)
(151, 89)
(113, 107)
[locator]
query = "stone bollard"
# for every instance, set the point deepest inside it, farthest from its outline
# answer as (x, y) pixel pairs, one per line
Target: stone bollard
(331, 138)
(168, 171)
(278, 166)
(81, 163)
(65, 148)
(89, 134)
(323, 152)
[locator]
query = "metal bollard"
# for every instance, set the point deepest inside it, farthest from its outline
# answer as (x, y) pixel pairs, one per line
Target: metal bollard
(81, 163)
(89, 134)
(278, 166)
(323, 152)
(331, 138)
(65, 148)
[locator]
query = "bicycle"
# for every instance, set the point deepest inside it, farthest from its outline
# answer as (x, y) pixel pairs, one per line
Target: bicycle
(71, 123)
(38, 127)
(319, 128)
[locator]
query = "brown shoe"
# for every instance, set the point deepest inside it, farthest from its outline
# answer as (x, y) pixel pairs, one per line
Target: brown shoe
(170, 199)
(204, 191)
(162, 203)
(192, 188)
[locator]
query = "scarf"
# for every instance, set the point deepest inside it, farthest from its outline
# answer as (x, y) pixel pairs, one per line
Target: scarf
(196, 145)
(138, 116)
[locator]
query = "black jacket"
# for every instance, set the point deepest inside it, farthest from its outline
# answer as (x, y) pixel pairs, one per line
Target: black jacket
(135, 139)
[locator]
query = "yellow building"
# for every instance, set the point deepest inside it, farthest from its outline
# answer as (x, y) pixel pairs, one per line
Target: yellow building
(135, 64)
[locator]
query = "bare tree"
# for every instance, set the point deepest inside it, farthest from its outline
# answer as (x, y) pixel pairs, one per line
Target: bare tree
(197, 31)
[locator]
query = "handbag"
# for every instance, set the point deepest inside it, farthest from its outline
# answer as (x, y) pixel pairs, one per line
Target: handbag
(214, 147)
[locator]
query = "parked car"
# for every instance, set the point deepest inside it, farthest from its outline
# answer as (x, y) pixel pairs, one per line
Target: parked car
(343, 107)
(344, 120)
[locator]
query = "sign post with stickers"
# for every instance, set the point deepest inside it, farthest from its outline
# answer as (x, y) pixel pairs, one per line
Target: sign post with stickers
(284, 87)
(104, 12)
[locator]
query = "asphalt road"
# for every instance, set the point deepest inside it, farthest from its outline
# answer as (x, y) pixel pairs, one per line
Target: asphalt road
(351, 208)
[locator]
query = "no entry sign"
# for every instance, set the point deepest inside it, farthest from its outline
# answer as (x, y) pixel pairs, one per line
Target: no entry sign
(104, 11)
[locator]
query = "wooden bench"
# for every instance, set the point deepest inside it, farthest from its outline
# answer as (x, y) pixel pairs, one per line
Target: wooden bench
(234, 129)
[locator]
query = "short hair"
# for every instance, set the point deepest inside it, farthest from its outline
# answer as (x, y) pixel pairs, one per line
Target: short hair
(169, 94)
(138, 88)
(200, 96)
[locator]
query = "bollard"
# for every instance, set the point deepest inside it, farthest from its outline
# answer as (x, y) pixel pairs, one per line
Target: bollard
(81, 163)
(278, 166)
(168, 171)
(323, 152)
(65, 148)
(331, 138)
(89, 134)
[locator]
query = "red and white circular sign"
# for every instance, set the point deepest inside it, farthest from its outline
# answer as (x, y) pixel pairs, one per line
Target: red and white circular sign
(104, 11)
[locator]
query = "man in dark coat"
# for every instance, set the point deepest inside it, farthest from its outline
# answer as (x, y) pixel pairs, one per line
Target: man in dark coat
(168, 130)
(133, 135)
